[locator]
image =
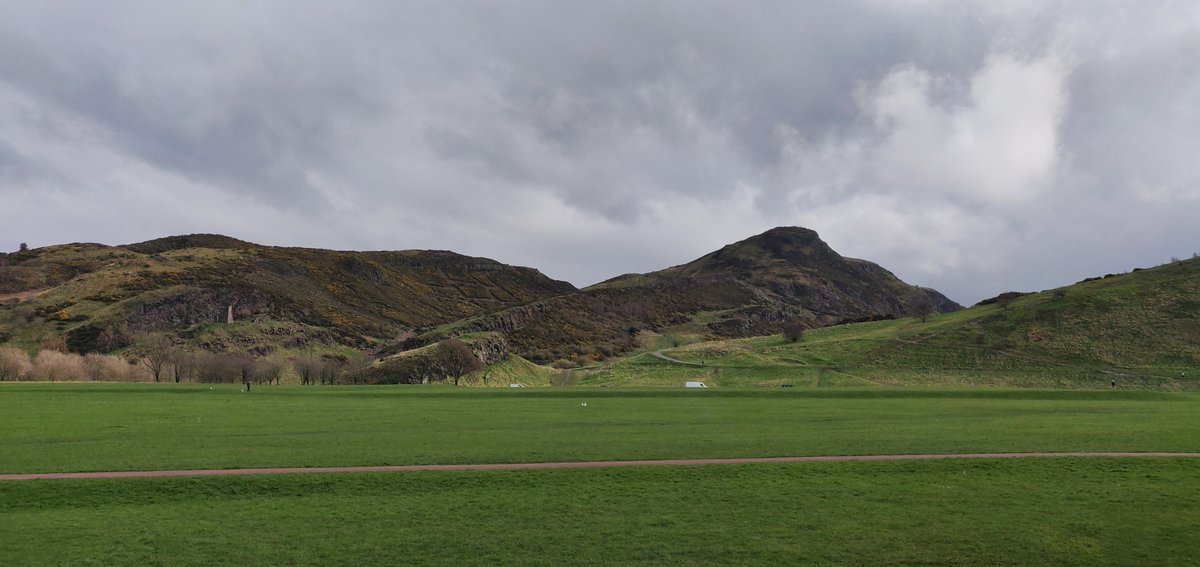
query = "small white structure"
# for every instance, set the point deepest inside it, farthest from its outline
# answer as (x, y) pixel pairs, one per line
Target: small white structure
(694, 385)
(516, 385)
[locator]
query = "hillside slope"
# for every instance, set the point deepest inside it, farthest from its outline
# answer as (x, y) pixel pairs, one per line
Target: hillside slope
(748, 288)
(92, 297)
(1140, 329)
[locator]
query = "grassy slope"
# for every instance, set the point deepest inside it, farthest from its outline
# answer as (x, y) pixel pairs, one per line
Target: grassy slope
(1061, 512)
(64, 427)
(515, 370)
(1141, 329)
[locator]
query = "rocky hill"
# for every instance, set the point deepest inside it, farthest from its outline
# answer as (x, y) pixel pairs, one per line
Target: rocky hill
(748, 288)
(93, 297)
(98, 298)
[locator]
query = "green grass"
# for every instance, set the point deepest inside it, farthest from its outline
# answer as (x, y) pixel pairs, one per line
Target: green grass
(1075, 511)
(1038, 512)
(514, 370)
(88, 427)
(1140, 329)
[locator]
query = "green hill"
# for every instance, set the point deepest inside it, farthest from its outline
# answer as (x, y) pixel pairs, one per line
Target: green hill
(1140, 329)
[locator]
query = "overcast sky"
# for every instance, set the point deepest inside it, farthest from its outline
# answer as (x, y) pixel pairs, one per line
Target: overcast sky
(973, 147)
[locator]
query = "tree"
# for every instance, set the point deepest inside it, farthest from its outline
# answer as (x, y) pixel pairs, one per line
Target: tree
(157, 352)
(270, 369)
(455, 359)
(14, 364)
(793, 330)
(244, 363)
(331, 366)
(187, 365)
(23, 248)
(55, 366)
(308, 367)
(923, 308)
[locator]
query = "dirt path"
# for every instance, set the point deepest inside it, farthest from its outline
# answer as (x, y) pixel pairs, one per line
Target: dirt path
(659, 354)
(576, 465)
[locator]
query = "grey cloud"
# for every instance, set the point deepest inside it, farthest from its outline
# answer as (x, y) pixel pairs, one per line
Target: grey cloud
(679, 124)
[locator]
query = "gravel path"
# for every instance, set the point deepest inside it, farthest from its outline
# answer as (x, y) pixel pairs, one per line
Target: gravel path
(574, 465)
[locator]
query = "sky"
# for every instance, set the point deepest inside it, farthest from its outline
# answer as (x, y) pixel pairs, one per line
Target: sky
(972, 147)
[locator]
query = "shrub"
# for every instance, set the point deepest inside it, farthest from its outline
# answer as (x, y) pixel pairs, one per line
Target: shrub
(103, 368)
(55, 366)
(793, 330)
(14, 364)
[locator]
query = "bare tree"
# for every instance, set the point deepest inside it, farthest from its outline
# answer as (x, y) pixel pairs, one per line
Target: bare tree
(14, 364)
(923, 308)
(187, 365)
(455, 359)
(244, 363)
(55, 366)
(308, 367)
(270, 369)
(157, 352)
(793, 330)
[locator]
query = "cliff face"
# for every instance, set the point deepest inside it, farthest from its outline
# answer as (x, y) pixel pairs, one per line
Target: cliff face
(747, 288)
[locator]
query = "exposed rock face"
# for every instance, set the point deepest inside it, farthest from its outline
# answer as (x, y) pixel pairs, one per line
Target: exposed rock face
(750, 288)
(197, 305)
(174, 283)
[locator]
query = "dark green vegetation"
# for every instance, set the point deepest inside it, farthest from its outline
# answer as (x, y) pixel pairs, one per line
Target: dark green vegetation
(90, 427)
(1047, 512)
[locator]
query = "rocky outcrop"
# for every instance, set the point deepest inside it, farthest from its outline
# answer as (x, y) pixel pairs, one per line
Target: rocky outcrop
(193, 306)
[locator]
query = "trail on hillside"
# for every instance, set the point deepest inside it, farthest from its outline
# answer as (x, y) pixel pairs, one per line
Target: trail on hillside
(576, 465)
(659, 354)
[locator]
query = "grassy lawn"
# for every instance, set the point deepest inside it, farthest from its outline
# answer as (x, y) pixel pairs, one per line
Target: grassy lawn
(1036, 512)
(93, 427)
(1091, 511)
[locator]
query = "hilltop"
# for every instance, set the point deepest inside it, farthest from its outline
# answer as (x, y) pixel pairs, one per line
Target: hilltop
(748, 288)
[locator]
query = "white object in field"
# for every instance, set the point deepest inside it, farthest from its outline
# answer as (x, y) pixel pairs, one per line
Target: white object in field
(584, 404)
(516, 385)
(694, 385)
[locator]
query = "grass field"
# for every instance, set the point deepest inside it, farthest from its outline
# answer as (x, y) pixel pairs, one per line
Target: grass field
(1048, 512)
(87, 427)
(1090, 511)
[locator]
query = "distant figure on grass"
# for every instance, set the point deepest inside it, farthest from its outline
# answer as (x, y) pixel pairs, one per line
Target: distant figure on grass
(1113, 384)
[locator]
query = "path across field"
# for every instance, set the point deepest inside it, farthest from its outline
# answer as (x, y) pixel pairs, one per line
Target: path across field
(573, 465)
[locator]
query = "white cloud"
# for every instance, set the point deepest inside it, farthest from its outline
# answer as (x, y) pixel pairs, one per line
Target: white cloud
(998, 144)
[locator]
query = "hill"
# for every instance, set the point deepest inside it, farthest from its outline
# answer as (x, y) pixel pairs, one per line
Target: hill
(1140, 329)
(93, 297)
(748, 288)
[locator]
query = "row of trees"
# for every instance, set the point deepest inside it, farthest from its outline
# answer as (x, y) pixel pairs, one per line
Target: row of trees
(171, 364)
(55, 366)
